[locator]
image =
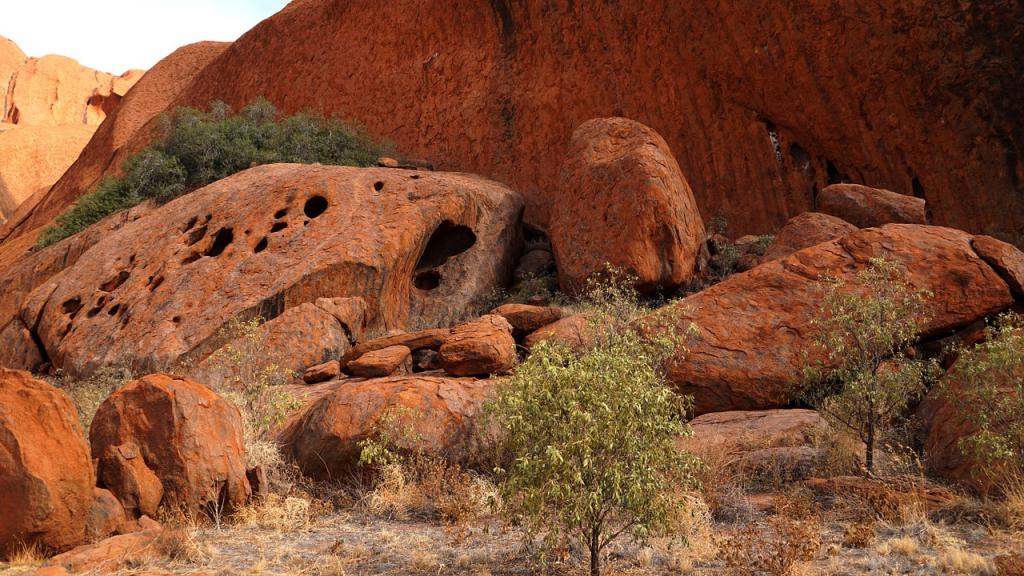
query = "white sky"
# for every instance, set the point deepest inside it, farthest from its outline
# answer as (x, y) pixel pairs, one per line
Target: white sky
(115, 35)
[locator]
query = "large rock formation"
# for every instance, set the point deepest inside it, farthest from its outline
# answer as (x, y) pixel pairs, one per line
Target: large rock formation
(762, 104)
(179, 431)
(756, 327)
(804, 231)
(865, 207)
(49, 108)
(439, 412)
(413, 244)
(622, 201)
(46, 476)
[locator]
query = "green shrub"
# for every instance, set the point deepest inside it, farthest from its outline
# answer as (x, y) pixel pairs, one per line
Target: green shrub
(198, 148)
(991, 375)
(868, 382)
(588, 436)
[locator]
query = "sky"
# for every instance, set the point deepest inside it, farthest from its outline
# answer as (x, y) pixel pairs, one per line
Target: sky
(117, 35)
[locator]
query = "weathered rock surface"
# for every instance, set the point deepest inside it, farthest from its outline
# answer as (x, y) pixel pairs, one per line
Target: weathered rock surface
(46, 477)
(1005, 259)
(760, 103)
(865, 207)
(186, 435)
(756, 327)
(525, 318)
(324, 441)
(322, 372)
(429, 339)
(34, 158)
(105, 515)
(804, 231)
(623, 201)
(479, 348)
(111, 555)
(122, 469)
(392, 360)
(413, 244)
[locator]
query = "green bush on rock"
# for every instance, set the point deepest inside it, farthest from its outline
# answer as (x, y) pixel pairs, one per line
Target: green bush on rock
(202, 147)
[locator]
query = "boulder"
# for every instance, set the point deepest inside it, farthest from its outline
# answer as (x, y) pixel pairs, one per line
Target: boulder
(756, 328)
(322, 372)
(772, 443)
(20, 351)
(111, 555)
(1005, 259)
(536, 263)
(574, 331)
(866, 207)
(429, 339)
(123, 470)
(325, 440)
(46, 477)
(143, 296)
(484, 346)
(303, 336)
(392, 360)
(105, 515)
(525, 318)
(623, 201)
(185, 434)
(804, 231)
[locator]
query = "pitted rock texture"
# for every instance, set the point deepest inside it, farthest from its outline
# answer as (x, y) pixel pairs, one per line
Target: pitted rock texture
(865, 207)
(46, 477)
(49, 108)
(622, 201)
(412, 244)
(325, 440)
(763, 103)
(804, 231)
(178, 431)
(756, 327)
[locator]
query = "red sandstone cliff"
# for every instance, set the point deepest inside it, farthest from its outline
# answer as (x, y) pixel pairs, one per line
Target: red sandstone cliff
(763, 103)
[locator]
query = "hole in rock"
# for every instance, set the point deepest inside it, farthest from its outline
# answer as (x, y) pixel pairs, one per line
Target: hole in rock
(447, 241)
(195, 235)
(100, 303)
(801, 159)
(221, 241)
(834, 175)
(191, 258)
(113, 309)
(71, 306)
(415, 176)
(278, 226)
(188, 225)
(115, 282)
(427, 280)
(773, 137)
(378, 186)
(260, 246)
(156, 283)
(315, 206)
(176, 319)
(15, 115)
(281, 213)
(915, 184)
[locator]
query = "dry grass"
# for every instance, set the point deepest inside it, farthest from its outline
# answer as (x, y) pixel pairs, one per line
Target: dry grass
(25, 557)
(956, 560)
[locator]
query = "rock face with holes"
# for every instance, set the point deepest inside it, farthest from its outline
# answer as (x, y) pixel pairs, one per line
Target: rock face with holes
(46, 477)
(756, 327)
(412, 244)
(623, 201)
(324, 441)
(865, 207)
(178, 431)
(804, 231)
(479, 348)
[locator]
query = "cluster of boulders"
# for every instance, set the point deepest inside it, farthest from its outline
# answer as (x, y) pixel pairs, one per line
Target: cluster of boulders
(329, 255)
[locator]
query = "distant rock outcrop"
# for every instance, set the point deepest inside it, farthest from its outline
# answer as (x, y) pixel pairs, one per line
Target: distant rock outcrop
(49, 108)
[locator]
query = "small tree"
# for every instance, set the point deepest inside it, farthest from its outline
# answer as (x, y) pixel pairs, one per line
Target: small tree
(588, 437)
(990, 382)
(866, 381)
